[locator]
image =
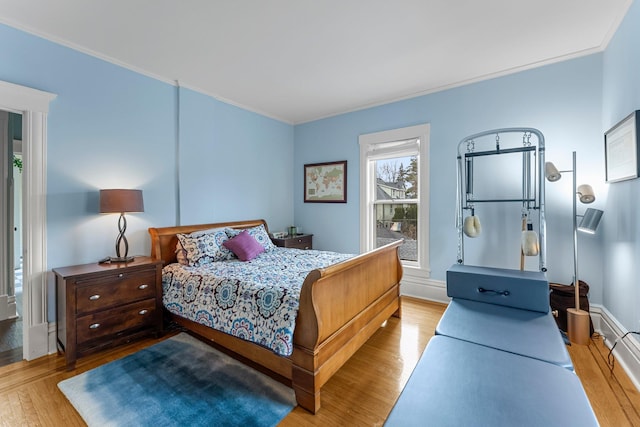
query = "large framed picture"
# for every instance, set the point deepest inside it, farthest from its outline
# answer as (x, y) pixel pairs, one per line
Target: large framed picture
(621, 149)
(325, 182)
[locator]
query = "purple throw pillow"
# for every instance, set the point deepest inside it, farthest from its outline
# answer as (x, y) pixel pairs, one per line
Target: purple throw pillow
(244, 246)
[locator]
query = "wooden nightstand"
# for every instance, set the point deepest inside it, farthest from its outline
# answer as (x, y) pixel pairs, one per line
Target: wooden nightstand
(103, 305)
(301, 241)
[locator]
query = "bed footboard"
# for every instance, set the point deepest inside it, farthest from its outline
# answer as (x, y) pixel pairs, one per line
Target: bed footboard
(341, 306)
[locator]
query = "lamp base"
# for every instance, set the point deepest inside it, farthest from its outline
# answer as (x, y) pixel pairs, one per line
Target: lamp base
(109, 259)
(578, 326)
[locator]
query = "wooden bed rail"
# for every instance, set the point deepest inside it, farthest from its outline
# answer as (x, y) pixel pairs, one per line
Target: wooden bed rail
(323, 314)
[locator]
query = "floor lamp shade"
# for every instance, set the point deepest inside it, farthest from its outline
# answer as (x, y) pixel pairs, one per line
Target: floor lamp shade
(551, 172)
(121, 201)
(590, 221)
(585, 193)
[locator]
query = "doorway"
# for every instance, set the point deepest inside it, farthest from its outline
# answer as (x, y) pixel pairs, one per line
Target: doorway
(33, 104)
(11, 325)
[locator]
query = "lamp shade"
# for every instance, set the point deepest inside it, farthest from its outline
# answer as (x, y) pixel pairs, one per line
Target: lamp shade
(120, 201)
(585, 192)
(590, 220)
(551, 172)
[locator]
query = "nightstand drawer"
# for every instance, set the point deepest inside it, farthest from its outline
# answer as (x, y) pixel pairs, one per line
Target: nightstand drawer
(109, 291)
(116, 320)
(304, 241)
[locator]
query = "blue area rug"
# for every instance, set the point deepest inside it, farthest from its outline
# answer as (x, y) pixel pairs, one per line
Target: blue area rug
(179, 381)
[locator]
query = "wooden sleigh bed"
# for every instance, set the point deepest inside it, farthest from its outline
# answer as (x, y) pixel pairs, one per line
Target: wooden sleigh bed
(341, 307)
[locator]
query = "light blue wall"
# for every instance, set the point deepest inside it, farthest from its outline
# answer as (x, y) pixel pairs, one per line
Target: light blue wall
(110, 127)
(562, 100)
(621, 95)
(234, 164)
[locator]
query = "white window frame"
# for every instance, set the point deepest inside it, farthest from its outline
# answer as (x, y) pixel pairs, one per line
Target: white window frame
(419, 268)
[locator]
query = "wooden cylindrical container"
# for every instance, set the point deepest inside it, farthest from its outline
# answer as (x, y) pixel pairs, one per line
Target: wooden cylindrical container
(578, 327)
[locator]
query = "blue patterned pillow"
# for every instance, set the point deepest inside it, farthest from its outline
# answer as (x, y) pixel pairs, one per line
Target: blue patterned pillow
(259, 233)
(205, 248)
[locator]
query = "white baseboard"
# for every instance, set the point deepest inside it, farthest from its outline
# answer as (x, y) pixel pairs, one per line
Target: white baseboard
(35, 346)
(432, 290)
(627, 351)
(51, 338)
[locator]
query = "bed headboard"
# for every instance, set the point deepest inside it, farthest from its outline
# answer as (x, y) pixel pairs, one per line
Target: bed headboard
(164, 240)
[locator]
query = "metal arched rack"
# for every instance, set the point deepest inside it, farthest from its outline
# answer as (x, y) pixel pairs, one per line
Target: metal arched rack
(532, 197)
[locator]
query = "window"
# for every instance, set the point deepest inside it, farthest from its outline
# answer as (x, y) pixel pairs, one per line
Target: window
(394, 197)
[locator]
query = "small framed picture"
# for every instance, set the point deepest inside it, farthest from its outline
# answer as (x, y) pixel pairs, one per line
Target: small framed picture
(325, 182)
(621, 149)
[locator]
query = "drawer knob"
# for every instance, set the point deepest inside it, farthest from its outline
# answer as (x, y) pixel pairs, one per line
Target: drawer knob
(121, 275)
(94, 326)
(143, 286)
(143, 312)
(94, 297)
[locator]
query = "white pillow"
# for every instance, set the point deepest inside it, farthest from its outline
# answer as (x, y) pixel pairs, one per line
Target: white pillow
(205, 247)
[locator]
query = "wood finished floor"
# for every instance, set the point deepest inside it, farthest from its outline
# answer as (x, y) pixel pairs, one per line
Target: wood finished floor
(362, 393)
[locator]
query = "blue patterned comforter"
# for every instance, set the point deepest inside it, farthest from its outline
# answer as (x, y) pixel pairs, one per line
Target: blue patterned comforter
(255, 300)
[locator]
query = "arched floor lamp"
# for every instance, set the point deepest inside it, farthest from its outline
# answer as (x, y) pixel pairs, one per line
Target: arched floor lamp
(578, 325)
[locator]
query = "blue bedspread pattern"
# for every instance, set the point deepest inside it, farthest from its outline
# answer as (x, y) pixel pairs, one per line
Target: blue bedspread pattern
(255, 300)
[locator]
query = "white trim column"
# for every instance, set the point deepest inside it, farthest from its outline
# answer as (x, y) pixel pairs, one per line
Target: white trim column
(34, 255)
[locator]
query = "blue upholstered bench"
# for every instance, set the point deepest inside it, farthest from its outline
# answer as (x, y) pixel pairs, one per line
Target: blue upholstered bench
(527, 333)
(497, 359)
(503, 309)
(458, 383)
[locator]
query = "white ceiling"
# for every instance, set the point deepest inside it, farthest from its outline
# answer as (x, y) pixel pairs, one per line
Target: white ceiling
(300, 60)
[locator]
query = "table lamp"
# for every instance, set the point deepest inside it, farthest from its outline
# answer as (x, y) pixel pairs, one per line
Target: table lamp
(121, 201)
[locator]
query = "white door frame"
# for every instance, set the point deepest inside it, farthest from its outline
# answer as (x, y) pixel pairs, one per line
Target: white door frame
(7, 291)
(33, 105)
(7, 304)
